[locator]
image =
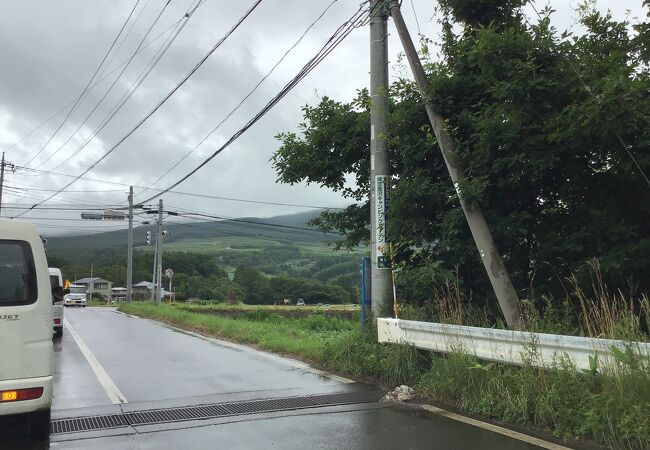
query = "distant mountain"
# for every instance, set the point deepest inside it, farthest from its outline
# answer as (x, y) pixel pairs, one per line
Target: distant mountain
(287, 228)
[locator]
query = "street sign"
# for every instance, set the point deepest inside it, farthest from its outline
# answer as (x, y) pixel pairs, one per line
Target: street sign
(169, 273)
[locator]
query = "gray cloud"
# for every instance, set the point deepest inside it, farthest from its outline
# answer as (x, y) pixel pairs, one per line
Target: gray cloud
(49, 50)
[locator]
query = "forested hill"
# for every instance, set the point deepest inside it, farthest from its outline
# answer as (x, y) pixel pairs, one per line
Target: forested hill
(289, 228)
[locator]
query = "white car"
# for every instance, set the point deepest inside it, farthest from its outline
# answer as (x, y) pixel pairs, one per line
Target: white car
(56, 279)
(76, 297)
(26, 349)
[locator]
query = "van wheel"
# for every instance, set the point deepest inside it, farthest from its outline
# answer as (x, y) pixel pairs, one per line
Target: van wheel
(39, 429)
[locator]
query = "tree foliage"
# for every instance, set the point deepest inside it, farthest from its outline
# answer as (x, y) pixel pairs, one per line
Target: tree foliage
(544, 124)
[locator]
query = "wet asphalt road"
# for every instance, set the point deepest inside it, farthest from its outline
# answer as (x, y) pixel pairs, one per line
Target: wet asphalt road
(154, 366)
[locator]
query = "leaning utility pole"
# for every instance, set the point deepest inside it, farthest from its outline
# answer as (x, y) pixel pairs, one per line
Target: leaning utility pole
(381, 281)
(159, 246)
(496, 270)
(2, 179)
(129, 252)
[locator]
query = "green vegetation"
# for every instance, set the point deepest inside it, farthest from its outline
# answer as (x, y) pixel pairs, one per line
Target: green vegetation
(266, 266)
(347, 312)
(609, 405)
(541, 145)
(299, 337)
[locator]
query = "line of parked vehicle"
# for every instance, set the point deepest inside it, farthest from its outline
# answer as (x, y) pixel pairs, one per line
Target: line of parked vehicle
(32, 301)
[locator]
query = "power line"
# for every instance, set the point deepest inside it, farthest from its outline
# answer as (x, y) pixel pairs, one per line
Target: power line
(87, 85)
(178, 86)
(260, 226)
(190, 194)
(25, 188)
(78, 228)
(252, 91)
(358, 19)
(119, 66)
(252, 222)
(116, 108)
(229, 233)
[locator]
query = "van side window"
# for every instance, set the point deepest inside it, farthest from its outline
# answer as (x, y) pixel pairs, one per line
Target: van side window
(18, 284)
(54, 281)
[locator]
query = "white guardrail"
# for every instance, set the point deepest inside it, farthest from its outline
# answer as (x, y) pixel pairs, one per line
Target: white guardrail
(504, 345)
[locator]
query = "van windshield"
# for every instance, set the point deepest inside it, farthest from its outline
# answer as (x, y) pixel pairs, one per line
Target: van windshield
(77, 290)
(17, 274)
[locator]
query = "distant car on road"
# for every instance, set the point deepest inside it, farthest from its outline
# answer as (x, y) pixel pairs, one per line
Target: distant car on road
(300, 302)
(76, 297)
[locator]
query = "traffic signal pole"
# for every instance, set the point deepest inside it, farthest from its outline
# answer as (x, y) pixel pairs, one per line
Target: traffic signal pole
(129, 257)
(159, 247)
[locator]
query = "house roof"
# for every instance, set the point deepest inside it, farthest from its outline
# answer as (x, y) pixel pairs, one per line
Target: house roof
(89, 280)
(146, 284)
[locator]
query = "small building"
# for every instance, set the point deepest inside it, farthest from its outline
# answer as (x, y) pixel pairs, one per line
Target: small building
(96, 286)
(142, 290)
(118, 294)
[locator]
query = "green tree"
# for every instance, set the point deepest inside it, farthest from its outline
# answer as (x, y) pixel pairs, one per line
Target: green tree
(538, 120)
(254, 284)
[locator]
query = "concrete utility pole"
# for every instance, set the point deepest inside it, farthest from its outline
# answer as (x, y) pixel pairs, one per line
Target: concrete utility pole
(153, 272)
(129, 253)
(159, 245)
(496, 270)
(2, 179)
(92, 283)
(381, 281)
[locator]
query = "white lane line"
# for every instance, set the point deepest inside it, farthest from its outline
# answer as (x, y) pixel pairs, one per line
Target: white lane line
(114, 394)
(290, 362)
(495, 429)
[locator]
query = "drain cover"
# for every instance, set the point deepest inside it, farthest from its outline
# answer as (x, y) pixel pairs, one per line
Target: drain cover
(210, 411)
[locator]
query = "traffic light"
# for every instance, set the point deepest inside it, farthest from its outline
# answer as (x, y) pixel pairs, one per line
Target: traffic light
(148, 236)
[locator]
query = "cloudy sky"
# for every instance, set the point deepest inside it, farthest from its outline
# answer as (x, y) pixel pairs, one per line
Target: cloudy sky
(50, 50)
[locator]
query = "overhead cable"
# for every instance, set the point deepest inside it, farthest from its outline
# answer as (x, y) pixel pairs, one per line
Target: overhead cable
(99, 80)
(178, 86)
(251, 92)
(85, 90)
(357, 20)
(119, 104)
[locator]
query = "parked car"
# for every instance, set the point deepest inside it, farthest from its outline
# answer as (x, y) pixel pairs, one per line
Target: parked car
(300, 302)
(26, 349)
(76, 297)
(56, 279)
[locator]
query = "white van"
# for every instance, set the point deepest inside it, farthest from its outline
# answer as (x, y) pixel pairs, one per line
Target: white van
(56, 279)
(26, 352)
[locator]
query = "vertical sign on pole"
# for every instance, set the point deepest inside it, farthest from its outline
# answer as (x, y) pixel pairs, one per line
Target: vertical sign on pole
(381, 221)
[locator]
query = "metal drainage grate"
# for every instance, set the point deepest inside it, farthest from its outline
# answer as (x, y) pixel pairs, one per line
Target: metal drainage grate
(88, 423)
(211, 411)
